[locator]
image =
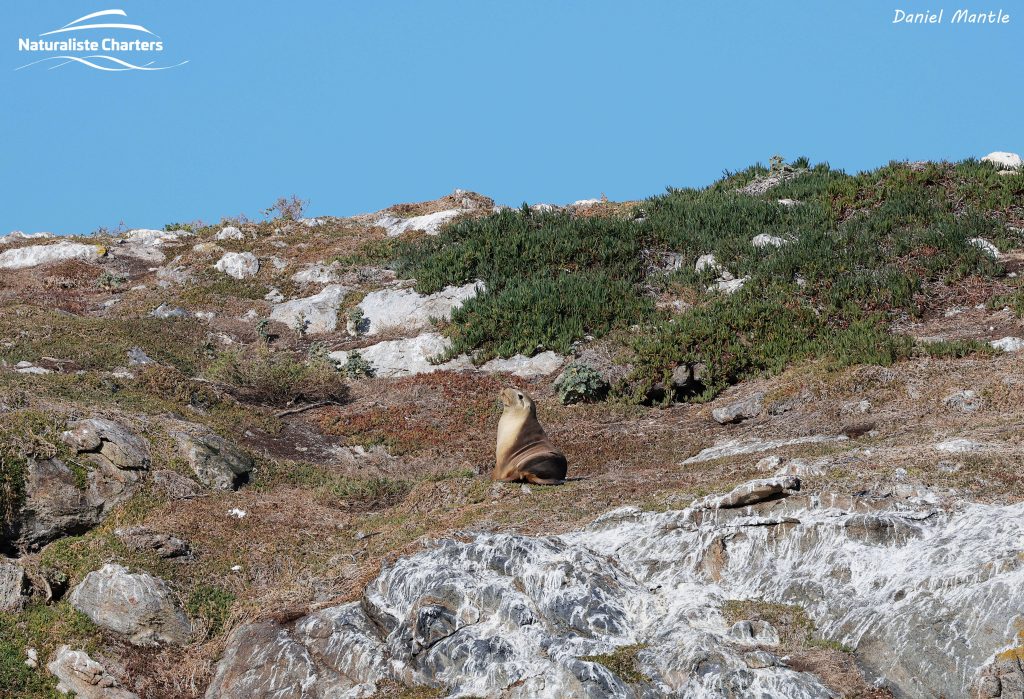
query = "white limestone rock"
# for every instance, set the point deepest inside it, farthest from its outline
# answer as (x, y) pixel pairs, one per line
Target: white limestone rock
(136, 605)
(407, 357)
(230, 233)
(149, 236)
(764, 240)
(35, 255)
(525, 367)
(317, 274)
(1003, 160)
(84, 677)
(239, 265)
(15, 236)
(405, 310)
(1009, 344)
(986, 246)
(428, 223)
(320, 311)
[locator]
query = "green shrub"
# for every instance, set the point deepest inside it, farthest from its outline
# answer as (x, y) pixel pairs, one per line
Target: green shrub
(579, 383)
(356, 366)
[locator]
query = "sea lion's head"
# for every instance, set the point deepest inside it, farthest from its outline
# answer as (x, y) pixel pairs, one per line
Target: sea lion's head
(516, 399)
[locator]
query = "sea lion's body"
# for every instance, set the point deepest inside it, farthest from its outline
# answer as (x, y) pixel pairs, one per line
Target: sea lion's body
(523, 451)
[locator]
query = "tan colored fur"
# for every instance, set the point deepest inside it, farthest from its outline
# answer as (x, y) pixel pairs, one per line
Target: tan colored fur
(523, 452)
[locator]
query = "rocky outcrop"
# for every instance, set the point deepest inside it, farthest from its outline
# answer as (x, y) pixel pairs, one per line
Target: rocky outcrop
(520, 365)
(135, 605)
(1006, 161)
(13, 586)
(407, 311)
(428, 223)
(56, 505)
(925, 598)
(317, 274)
(216, 462)
(741, 410)
(83, 676)
(1009, 344)
(238, 265)
(229, 233)
(318, 313)
(117, 454)
(35, 255)
(406, 357)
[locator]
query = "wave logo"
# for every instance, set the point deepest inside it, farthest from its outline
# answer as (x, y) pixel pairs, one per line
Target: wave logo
(79, 43)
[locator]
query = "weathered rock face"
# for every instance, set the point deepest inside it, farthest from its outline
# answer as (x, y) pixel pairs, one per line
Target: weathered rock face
(55, 506)
(527, 367)
(35, 255)
(118, 454)
(428, 223)
(86, 678)
(405, 310)
(13, 586)
(740, 410)
(925, 597)
(136, 605)
(319, 312)
(239, 265)
(407, 357)
(217, 462)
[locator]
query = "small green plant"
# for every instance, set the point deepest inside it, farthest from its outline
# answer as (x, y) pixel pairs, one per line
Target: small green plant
(318, 353)
(356, 366)
(580, 383)
(623, 662)
(356, 320)
(776, 163)
(212, 604)
(301, 325)
(263, 330)
(109, 281)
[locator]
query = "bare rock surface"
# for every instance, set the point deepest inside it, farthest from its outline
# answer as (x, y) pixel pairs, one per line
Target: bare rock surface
(407, 357)
(408, 311)
(741, 410)
(925, 597)
(318, 313)
(56, 505)
(35, 255)
(136, 605)
(13, 586)
(239, 265)
(541, 364)
(216, 462)
(428, 223)
(83, 676)
(118, 455)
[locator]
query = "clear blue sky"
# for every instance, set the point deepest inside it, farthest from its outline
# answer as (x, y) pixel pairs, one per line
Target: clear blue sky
(356, 105)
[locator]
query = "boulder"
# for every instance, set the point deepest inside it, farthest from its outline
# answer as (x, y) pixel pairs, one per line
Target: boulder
(407, 311)
(149, 236)
(239, 265)
(166, 312)
(140, 538)
(229, 233)
(407, 357)
(13, 586)
(262, 661)
(1009, 344)
(35, 255)
(708, 262)
(526, 367)
(217, 463)
(317, 274)
(1003, 160)
(117, 454)
(764, 240)
(428, 223)
(750, 493)
(319, 312)
(745, 409)
(84, 677)
(135, 605)
(56, 505)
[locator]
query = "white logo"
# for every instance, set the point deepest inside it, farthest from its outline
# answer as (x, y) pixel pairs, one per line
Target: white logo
(96, 50)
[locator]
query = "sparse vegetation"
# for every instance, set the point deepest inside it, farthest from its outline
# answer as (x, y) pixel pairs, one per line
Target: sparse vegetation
(623, 662)
(260, 375)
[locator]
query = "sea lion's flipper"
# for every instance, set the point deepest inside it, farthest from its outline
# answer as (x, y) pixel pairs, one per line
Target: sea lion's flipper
(545, 469)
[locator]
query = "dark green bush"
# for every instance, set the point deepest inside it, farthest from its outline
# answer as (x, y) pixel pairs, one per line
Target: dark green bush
(580, 383)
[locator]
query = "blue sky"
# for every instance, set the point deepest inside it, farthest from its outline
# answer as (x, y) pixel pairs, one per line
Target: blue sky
(359, 105)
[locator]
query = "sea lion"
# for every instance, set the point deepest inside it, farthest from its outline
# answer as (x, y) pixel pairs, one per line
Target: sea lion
(523, 451)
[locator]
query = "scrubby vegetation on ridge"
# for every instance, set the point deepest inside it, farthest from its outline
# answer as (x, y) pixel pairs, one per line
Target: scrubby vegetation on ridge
(856, 253)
